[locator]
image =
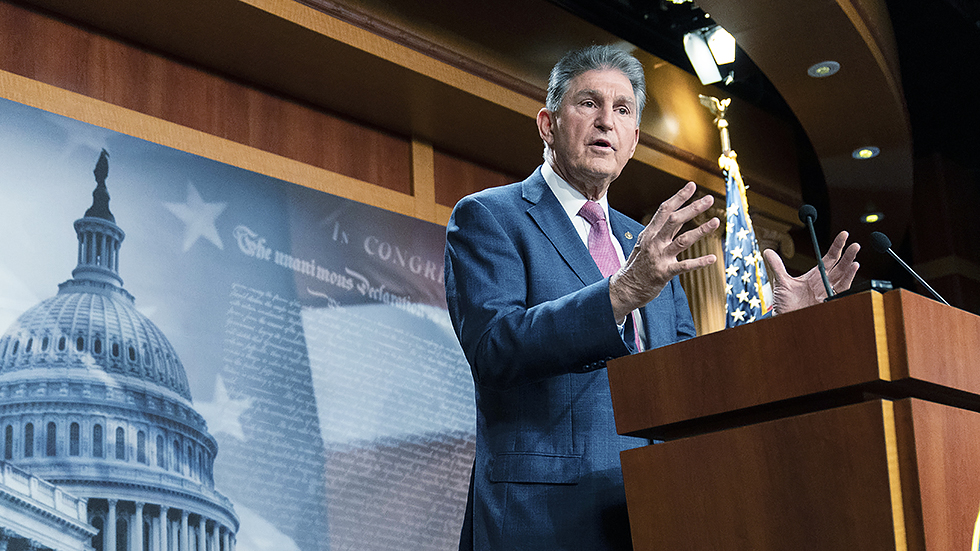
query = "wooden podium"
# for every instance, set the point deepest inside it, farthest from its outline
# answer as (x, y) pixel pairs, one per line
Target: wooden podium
(851, 425)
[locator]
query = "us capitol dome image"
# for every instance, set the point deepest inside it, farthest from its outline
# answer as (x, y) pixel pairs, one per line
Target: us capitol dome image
(100, 445)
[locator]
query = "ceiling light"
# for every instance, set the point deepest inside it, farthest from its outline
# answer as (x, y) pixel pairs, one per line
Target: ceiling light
(722, 45)
(863, 153)
(707, 48)
(872, 214)
(823, 69)
(701, 58)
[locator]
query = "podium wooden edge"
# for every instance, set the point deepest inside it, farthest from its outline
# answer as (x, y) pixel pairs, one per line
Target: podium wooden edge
(653, 399)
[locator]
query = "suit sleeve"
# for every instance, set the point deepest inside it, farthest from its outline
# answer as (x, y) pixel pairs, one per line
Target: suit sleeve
(685, 321)
(508, 338)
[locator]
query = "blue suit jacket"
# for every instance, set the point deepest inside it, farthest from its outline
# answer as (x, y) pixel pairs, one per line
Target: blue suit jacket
(532, 313)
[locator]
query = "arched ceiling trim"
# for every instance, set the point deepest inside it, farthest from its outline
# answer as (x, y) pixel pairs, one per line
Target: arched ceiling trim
(863, 104)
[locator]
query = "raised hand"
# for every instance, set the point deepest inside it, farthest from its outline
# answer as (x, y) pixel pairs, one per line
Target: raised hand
(793, 293)
(653, 261)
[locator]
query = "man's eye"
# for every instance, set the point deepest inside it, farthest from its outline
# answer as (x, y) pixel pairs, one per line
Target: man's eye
(624, 111)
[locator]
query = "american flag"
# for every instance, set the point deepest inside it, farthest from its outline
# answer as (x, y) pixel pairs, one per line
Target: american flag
(747, 292)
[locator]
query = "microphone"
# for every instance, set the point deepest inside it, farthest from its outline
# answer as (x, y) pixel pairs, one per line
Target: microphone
(882, 244)
(807, 215)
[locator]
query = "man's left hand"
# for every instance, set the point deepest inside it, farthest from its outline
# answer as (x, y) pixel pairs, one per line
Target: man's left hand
(792, 293)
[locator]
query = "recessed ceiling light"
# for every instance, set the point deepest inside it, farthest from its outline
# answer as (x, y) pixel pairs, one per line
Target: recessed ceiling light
(823, 69)
(863, 153)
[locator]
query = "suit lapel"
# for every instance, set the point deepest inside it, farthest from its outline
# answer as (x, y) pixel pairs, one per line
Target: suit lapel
(550, 217)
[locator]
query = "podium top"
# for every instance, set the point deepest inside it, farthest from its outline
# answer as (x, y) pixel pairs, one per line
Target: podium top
(859, 347)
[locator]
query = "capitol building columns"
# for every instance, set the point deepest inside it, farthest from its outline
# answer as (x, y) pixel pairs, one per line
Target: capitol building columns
(183, 536)
(202, 532)
(142, 526)
(110, 522)
(136, 542)
(214, 539)
(164, 530)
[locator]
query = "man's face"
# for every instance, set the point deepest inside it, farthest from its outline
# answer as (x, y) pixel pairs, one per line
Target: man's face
(594, 133)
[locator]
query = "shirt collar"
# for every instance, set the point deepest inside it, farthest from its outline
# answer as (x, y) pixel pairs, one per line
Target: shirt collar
(570, 198)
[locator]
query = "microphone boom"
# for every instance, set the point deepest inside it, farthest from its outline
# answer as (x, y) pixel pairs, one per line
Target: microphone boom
(882, 244)
(807, 215)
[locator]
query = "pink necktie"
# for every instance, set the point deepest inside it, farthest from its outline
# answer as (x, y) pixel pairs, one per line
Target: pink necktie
(600, 246)
(602, 250)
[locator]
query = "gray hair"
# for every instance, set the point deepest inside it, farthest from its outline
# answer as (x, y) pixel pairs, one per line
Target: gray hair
(592, 58)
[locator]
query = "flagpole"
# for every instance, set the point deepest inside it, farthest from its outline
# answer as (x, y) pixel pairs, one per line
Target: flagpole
(748, 295)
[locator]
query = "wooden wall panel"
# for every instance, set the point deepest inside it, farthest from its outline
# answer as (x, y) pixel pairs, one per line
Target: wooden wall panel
(456, 178)
(41, 47)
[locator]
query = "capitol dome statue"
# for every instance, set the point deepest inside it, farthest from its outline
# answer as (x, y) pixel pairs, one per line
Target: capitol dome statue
(94, 400)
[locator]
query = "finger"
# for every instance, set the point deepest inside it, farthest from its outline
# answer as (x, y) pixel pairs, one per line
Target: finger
(670, 206)
(688, 213)
(843, 273)
(691, 264)
(851, 253)
(845, 277)
(675, 221)
(846, 259)
(690, 237)
(779, 273)
(834, 252)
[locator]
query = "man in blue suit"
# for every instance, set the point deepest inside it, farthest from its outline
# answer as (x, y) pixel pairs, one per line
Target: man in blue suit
(537, 318)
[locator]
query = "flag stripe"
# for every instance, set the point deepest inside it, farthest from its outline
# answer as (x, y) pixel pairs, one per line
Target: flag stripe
(745, 272)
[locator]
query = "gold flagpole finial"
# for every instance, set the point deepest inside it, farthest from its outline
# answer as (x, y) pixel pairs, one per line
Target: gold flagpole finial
(719, 109)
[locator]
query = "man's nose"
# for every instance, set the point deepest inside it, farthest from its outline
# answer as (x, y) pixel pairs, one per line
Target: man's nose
(604, 118)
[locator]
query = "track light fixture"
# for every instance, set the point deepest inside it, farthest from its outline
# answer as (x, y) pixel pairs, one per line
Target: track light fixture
(708, 48)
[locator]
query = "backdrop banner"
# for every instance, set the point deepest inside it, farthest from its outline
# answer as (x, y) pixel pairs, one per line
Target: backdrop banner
(313, 329)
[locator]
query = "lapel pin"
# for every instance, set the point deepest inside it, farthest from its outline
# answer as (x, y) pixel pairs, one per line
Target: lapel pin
(629, 235)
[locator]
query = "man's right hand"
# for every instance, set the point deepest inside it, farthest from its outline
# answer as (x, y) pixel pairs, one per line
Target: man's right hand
(653, 261)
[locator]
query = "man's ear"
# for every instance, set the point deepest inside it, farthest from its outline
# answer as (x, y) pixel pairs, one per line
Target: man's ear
(546, 122)
(636, 140)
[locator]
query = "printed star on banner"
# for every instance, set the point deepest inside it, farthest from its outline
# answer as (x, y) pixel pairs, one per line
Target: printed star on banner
(199, 217)
(224, 414)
